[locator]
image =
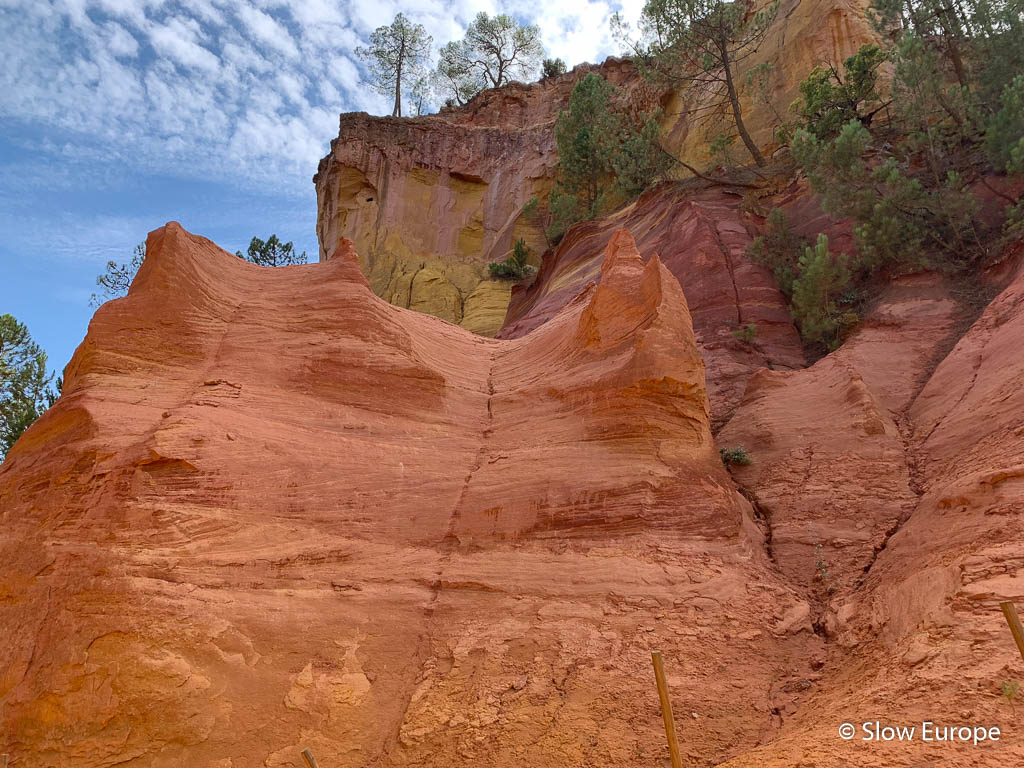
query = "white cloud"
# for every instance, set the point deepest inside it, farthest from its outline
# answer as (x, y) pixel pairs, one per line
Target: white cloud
(264, 28)
(236, 90)
(177, 39)
(120, 42)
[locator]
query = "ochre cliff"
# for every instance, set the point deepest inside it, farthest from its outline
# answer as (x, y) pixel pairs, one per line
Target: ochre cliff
(272, 511)
(430, 201)
(895, 494)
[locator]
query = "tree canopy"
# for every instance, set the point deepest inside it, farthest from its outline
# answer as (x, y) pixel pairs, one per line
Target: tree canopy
(397, 53)
(272, 253)
(25, 391)
(495, 51)
(604, 157)
(701, 46)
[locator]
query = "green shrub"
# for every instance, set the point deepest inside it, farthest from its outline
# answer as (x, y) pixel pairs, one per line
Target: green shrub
(779, 249)
(604, 158)
(900, 220)
(829, 99)
(746, 334)
(819, 295)
(515, 266)
(1005, 133)
(552, 68)
(737, 455)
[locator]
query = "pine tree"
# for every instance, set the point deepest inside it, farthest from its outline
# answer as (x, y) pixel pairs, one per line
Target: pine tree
(702, 46)
(397, 53)
(495, 50)
(817, 295)
(25, 391)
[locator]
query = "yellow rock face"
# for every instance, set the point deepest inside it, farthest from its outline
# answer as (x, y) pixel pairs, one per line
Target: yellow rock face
(430, 203)
(803, 36)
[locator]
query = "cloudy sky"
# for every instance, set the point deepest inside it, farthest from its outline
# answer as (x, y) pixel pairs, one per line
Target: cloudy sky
(119, 115)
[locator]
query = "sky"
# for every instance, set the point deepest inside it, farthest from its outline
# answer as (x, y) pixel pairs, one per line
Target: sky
(117, 116)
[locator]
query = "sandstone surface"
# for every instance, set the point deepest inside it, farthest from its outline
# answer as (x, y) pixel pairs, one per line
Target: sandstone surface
(430, 201)
(272, 511)
(701, 236)
(902, 521)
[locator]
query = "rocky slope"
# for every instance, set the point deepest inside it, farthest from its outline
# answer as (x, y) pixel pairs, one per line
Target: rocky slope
(276, 509)
(701, 236)
(272, 511)
(911, 613)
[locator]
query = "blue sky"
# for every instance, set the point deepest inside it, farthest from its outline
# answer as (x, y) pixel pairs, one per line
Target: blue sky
(117, 116)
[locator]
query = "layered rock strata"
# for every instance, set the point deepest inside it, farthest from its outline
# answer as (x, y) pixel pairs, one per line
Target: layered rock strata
(895, 496)
(701, 236)
(430, 201)
(272, 511)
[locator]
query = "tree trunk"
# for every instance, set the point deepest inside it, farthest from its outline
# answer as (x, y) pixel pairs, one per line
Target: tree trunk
(397, 111)
(952, 33)
(734, 99)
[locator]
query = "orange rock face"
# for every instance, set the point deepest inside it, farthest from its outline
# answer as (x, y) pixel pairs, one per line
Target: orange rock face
(430, 201)
(895, 496)
(701, 238)
(272, 511)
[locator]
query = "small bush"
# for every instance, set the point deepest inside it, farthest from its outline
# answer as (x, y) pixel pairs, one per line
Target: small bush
(1006, 127)
(746, 334)
(552, 68)
(737, 455)
(819, 295)
(515, 266)
(830, 100)
(779, 249)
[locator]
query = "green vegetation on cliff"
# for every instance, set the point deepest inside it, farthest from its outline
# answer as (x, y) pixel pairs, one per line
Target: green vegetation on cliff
(605, 157)
(25, 387)
(701, 48)
(515, 266)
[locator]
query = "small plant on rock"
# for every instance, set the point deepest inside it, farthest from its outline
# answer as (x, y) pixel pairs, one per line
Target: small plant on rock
(1010, 689)
(747, 334)
(515, 266)
(737, 455)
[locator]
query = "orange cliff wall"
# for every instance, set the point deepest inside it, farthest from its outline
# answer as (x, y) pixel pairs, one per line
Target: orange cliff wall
(430, 201)
(272, 511)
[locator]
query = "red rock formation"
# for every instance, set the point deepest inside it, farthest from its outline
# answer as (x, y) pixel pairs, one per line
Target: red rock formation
(869, 439)
(272, 511)
(701, 236)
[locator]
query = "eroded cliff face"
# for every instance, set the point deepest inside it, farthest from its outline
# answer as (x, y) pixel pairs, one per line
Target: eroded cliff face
(904, 517)
(701, 237)
(272, 511)
(430, 201)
